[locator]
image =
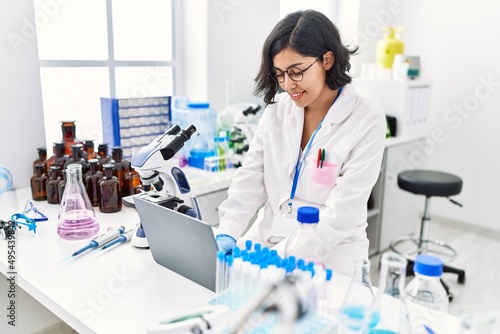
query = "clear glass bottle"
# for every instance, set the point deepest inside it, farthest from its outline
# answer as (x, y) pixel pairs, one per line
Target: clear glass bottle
(111, 198)
(102, 155)
(132, 184)
(77, 218)
(69, 135)
(389, 304)
(91, 181)
(306, 242)
(358, 300)
(426, 289)
(38, 184)
(59, 157)
(121, 165)
(42, 159)
(52, 185)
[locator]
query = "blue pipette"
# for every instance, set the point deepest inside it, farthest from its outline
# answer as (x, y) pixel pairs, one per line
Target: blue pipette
(101, 239)
(126, 236)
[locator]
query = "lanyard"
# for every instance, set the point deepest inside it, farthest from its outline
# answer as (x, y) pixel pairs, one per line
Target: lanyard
(300, 161)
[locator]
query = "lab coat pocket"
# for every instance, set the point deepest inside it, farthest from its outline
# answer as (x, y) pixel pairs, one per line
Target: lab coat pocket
(282, 227)
(324, 175)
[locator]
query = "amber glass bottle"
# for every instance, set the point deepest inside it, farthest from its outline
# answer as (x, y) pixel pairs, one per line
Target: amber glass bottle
(88, 150)
(42, 159)
(69, 135)
(121, 165)
(132, 184)
(59, 157)
(77, 157)
(111, 198)
(38, 184)
(103, 156)
(91, 182)
(53, 185)
(61, 185)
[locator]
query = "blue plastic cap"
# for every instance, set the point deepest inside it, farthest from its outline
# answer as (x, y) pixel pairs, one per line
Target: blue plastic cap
(248, 245)
(428, 265)
(308, 215)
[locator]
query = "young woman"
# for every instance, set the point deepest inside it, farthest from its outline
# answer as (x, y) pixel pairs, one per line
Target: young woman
(318, 144)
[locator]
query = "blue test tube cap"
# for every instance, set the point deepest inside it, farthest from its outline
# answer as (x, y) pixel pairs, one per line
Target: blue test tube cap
(248, 245)
(229, 260)
(236, 251)
(257, 247)
(329, 274)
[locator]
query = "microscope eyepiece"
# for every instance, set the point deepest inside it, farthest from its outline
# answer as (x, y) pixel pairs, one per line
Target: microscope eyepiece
(177, 142)
(173, 130)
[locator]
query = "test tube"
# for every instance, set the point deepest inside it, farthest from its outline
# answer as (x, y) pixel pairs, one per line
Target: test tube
(220, 273)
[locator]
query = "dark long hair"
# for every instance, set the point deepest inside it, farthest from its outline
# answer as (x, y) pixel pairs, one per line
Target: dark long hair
(311, 34)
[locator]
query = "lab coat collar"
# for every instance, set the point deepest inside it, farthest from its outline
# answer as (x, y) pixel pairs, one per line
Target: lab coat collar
(339, 111)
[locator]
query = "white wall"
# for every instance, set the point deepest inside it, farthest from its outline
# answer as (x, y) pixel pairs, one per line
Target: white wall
(21, 124)
(236, 33)
(459, 46)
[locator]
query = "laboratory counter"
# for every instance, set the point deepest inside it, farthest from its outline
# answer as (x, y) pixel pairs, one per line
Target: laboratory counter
(117, 290)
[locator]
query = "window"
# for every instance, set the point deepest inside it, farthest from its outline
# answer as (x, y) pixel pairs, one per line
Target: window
(90, 49)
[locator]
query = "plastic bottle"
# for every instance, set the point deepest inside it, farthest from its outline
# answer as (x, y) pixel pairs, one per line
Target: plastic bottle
(387, 47)
(111, 198)
(306, 242)
(389, 304)
(77, 218)
(358, 299)
(38, 184)
(426, 289)
(52, 185)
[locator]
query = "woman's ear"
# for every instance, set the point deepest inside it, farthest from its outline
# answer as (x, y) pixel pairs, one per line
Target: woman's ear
(328, 60)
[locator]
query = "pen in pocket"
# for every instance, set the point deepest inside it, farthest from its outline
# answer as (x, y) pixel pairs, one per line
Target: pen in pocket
(322, 157)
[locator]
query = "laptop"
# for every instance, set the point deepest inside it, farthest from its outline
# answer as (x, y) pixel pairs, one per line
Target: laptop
(179, 242)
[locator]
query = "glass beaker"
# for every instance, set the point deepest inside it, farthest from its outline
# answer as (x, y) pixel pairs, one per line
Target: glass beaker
(358, 300)
(389, 305)
(77, 218)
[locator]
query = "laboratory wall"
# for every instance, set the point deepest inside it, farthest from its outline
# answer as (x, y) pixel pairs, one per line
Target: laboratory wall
(21, 124)
(459, 48)
(236, 33)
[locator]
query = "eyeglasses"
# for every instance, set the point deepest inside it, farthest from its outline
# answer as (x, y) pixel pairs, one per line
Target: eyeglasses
(294, 73)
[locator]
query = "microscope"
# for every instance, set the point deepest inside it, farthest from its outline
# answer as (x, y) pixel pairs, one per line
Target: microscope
(163, 182)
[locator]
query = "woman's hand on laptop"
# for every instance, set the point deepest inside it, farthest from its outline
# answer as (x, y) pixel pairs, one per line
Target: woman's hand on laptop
(225, 243)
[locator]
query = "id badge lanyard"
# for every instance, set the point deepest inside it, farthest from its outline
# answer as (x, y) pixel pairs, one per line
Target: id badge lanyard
(301, 159)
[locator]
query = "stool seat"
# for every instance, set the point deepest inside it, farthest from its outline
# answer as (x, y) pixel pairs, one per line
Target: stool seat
(430, 183)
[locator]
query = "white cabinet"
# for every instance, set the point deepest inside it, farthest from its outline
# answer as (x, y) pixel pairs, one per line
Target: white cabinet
(396, 212)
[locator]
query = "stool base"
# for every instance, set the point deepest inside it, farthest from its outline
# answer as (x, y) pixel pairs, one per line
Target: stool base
(410, 247)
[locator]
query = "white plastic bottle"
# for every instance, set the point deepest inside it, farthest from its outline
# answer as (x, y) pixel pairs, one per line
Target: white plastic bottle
(306, 242)
(427, 299)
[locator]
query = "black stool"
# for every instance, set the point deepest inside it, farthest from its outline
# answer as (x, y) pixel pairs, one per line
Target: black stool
(428, 183)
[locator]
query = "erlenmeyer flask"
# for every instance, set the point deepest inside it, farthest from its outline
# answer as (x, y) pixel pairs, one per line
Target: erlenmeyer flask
(77, 218)
(389, 304)
(358, 300)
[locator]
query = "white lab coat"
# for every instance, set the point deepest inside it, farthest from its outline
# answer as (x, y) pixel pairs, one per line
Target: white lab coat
(352, 134)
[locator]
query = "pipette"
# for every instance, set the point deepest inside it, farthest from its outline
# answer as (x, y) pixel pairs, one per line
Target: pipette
(126, 236)
(102, 239)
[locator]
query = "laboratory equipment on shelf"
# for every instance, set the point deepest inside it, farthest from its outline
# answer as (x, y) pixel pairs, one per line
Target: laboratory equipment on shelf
(77, 219)
(426, 289)
(163, 182)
